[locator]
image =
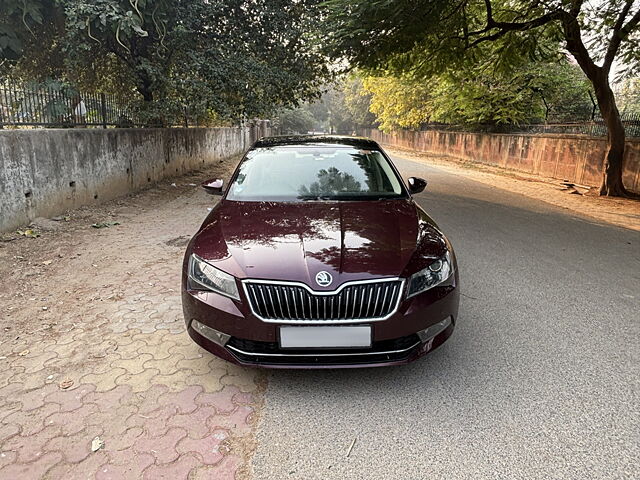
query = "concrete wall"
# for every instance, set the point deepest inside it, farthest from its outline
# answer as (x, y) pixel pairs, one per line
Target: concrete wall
(45, 172)
(565, 157)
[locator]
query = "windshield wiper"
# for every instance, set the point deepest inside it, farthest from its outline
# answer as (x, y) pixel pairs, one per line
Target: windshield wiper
(347, 198)
(312, 197)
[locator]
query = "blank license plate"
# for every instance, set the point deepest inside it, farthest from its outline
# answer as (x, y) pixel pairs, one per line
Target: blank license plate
(325, 337)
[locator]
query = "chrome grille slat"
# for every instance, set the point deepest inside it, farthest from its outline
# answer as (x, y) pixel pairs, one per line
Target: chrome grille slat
(391, 292)
(292, 303)
(273, 307)
(332, 302)
(264, 300)
(302, 309)
(384, 299)
(285, 303)
(375, 304)
(369, 301)
(295, 305)
(394, 292)
(346, 303)
(355, 302)
(277, 291)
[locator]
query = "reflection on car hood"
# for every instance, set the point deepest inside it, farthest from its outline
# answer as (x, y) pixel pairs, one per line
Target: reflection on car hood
(294, 241)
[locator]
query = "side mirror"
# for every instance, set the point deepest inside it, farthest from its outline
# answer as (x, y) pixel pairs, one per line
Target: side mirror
(416, 185)
(214, 187)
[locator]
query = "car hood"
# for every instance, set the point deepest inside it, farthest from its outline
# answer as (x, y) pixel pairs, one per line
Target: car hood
(296, 240)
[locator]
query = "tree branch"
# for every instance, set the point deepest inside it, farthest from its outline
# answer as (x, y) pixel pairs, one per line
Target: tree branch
(576, 47)
(504, 27)
(576, 5)
(620, 32)
(113, 48)
(536, 22)
(487, 4)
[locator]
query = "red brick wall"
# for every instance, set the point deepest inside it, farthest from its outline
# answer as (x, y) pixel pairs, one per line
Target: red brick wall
(566, 157)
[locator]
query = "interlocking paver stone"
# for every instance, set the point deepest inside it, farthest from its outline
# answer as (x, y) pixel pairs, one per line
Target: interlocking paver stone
(69, 399)
(224, 470)
(8, 430)
(83, 470)
(177, 470)
(208, 448)
(196, 422)
(163, 448)
(223, 400)
(164, 407)
(31, 448)
(133, 468)
(34, 469)
(32, 421)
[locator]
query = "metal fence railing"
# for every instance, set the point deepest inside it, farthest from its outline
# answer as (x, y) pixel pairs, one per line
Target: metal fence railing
(58, 105)
(594, 127)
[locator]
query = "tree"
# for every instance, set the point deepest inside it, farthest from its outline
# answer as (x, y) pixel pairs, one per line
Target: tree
(297, 120)
(344, 106)
(532, 92)
(358, 103)
(18, 18)
(236, 58)
(565, 92)
(481, 98)
(432, 36)
(399, 101)
(339, 118)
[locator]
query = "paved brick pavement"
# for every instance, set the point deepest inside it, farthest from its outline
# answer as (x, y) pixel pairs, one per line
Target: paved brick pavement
(93, 345)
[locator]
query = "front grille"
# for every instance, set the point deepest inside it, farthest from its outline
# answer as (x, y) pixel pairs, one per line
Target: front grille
(361, 301)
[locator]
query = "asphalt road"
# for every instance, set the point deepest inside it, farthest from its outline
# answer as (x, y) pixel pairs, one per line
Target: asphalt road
(540, 379)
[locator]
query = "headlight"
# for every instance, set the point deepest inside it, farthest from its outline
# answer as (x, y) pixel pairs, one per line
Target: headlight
(203, 276)
(433, 275)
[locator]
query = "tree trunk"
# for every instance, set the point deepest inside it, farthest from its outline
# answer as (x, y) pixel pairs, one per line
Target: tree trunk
(613, 163)
(144, 87)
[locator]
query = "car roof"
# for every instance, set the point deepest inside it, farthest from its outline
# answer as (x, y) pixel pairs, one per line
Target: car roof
(283, 140)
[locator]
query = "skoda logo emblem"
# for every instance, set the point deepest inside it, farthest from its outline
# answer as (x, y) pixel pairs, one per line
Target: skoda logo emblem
(324, 279)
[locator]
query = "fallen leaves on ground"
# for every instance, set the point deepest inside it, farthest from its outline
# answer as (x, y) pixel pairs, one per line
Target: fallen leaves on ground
(66, 383)
(104, 224)
(96, 444)
(28, 233)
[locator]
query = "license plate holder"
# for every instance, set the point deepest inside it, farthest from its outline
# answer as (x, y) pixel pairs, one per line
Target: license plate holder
(325, 337)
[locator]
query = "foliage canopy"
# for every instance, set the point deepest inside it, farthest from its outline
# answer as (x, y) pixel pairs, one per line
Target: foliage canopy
(237, 58)
(427, 37)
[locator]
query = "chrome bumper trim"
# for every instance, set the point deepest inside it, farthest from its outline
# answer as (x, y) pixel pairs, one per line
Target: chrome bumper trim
(348, 354)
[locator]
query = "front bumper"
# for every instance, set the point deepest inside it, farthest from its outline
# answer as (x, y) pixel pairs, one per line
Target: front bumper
(250, 341)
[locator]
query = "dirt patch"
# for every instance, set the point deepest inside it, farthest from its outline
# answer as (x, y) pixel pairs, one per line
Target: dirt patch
(616, 211)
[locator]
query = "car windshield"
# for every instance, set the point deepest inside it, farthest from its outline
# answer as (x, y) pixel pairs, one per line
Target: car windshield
(312, 172)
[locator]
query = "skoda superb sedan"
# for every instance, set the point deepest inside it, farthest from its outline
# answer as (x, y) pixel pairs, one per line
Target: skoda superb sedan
(318, 256)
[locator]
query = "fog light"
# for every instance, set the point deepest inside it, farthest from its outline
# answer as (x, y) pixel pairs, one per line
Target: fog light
(433, 330)
(215, 336)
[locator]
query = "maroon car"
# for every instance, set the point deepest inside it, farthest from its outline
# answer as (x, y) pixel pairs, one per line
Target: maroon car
(318, 256)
